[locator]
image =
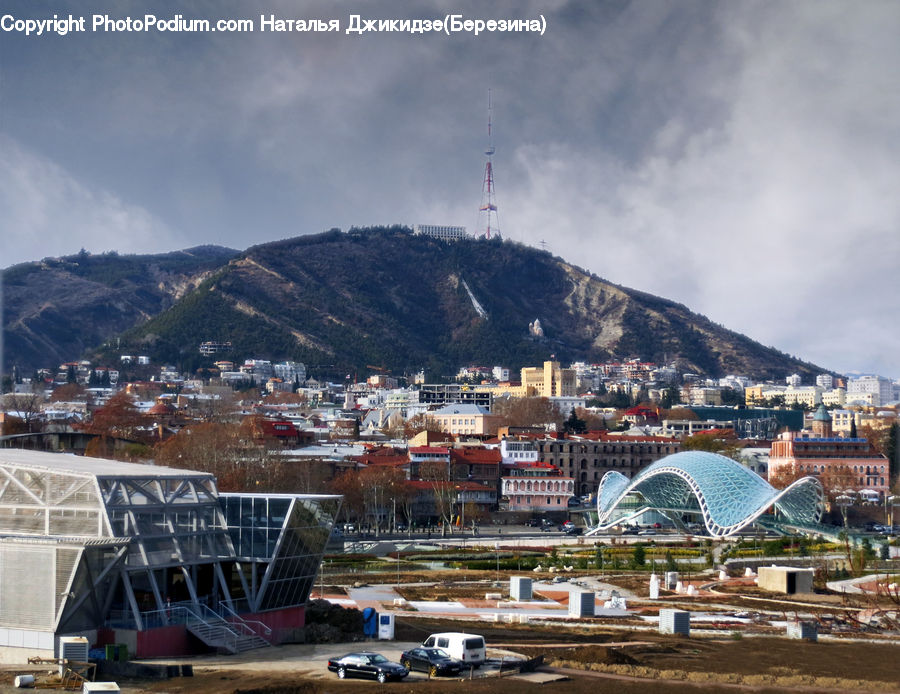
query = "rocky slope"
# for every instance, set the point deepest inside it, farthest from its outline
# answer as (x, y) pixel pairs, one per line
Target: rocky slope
(382, 297)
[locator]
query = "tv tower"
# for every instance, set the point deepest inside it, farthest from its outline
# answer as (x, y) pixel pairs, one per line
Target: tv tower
(488, 218)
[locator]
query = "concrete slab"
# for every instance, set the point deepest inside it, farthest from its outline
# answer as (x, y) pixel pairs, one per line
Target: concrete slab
(539, 677)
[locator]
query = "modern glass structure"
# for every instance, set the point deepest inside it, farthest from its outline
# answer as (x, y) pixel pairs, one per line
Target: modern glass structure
(726, 496)
(147, 555)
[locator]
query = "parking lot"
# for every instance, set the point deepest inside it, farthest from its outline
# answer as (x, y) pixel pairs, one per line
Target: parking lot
(312, 659)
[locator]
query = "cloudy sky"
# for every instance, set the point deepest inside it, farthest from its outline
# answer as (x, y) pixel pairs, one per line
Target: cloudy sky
(740, 157)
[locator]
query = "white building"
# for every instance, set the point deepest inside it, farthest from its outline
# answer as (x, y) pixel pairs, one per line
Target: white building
(874, 390)
(825, 381)
(794, 380)
(518, 451)
(443, 232)
(290, 371)
(500, 373)
(836, 397)
(809, 396)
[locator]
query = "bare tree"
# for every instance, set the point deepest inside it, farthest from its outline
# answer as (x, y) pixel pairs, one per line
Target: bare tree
(527, 412)
(438, 475)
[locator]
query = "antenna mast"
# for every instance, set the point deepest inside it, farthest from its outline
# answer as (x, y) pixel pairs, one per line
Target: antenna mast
(490, 220)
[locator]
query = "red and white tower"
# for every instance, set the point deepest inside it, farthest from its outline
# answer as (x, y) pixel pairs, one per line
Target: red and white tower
(488, 218)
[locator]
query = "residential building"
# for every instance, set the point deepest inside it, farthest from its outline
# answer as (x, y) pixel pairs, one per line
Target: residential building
(872, 390)
(209, 348)
(535, 487)
(549, 380)
(825, 381)
(805, 396)
(840, 463)
(465, 420)
(836, 397)
(586, 458)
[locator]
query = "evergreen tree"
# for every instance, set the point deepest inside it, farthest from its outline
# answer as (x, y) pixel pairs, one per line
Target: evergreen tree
(639, 557)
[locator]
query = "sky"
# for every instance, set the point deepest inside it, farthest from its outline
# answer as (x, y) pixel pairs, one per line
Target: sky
(741, 157)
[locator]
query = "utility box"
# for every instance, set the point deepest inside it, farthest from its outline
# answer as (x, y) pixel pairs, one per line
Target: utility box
(385, 627)
(803, 629)
(581, 603)
(520, 588)
(73, 649)
(675, 622)
(671, 580)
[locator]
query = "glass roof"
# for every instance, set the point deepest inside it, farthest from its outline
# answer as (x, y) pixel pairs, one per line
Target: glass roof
(728, 495)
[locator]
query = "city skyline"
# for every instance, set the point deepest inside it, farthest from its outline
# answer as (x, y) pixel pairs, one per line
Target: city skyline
(740, 158)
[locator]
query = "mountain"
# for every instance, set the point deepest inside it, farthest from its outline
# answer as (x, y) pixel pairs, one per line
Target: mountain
(343, 302)
(56, 309)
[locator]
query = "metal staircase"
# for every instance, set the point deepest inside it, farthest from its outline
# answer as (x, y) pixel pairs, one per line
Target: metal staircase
(231, 635)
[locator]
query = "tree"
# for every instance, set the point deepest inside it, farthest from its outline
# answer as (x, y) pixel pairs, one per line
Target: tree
(379, 484)
(223, 450)
(785, 476)
(118, 418)
(574, 425)
(592, 422)
(527, 412)
(670, 397)
(639, 556)
(69, 392)
(723, 442)
(26, 407)
(419, 423)
(438, 475)
(349, 485)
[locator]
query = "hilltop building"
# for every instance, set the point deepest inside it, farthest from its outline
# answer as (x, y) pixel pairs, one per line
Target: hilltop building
(442, 232)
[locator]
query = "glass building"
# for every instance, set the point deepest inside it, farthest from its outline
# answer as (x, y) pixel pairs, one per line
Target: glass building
(149, 556)
(709, 488)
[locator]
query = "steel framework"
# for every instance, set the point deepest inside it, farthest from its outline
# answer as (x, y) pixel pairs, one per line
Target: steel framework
(725, 494)
(86, 542)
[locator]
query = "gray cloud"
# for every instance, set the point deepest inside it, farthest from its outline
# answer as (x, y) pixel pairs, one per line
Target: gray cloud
(741, 158)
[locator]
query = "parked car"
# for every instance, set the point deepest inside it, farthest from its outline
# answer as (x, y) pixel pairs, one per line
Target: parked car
(566, 526)
(647, 531)
(372, 665)
(573, 502)
(534, 522)
(546, 526)
(434, 661)
(574, 530)
(631, 530)
(468, 648)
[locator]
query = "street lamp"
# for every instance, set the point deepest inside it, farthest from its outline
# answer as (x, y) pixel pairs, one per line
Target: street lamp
(844, 501)
(889, 503)
(497, 549)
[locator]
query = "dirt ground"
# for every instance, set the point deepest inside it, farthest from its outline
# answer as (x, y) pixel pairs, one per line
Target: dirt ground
(594, 659)
(619, 661)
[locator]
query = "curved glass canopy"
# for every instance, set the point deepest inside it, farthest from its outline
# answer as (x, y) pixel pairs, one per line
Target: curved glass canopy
(726, 494)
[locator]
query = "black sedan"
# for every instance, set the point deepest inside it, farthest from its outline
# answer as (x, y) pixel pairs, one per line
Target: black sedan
(372, 665)
(434, 661)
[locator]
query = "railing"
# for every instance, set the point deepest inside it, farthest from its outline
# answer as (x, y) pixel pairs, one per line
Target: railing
(231, 630)
(254, 626)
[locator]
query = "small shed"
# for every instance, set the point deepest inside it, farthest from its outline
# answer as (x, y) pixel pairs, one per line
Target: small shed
(785, 579)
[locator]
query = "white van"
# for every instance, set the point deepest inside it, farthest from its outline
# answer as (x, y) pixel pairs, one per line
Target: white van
(468, 648)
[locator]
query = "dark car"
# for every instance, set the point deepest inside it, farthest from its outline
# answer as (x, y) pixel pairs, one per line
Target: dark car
(533, 522)
(372, 665)
(574, 530)
(434, 661)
